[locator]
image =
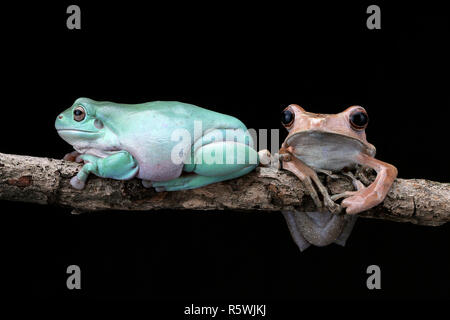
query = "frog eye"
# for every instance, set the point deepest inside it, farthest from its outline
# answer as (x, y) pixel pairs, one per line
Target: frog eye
(359, 119)
(287, 117)
(79, 114)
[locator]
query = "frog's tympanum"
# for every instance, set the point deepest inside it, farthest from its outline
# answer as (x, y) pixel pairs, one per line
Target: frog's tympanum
(169, 145)
(330, 143)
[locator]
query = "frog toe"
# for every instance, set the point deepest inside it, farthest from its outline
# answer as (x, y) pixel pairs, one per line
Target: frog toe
(71, 156)
(352, 205)
(171, 185)
(77, 183)
(147, 183)
(344, 194)
(332, 206)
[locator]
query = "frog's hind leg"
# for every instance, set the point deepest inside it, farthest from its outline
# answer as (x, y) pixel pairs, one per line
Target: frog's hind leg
(147, 183)
(318, 228)
(356, 183)
(307, 175)
(213, 162)
(192, 181)
(351, 220)
(297, 236)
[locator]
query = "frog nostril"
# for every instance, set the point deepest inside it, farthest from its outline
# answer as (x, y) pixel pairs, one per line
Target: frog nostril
(98, 124)
(60, 117)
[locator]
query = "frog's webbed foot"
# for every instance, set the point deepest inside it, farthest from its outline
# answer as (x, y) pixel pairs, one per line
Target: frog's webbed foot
(119, 166)
(307, 175)
(73, 156)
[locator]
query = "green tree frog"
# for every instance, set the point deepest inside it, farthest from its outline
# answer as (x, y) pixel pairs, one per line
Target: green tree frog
(169, 145)
(329, 143)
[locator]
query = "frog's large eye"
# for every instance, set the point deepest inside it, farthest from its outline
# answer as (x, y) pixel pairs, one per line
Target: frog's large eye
(79, 113)
(359, 119)
(287, 117)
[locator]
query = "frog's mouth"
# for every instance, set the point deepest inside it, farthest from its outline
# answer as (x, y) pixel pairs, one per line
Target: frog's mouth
(76, 130)
(326, 150)
(74, 136)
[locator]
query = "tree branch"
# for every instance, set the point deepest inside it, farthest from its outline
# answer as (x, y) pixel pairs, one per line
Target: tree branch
(46, 181)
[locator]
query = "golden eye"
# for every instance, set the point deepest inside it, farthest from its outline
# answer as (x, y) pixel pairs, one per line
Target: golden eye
(79, 114)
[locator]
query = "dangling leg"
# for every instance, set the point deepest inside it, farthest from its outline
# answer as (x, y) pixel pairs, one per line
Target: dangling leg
(297, 236)
(350, 219)
(350, 223)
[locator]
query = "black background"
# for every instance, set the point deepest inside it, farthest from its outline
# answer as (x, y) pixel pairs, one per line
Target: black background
(249, 62)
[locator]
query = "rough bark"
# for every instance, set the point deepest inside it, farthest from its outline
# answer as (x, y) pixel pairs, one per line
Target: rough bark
(46, 181)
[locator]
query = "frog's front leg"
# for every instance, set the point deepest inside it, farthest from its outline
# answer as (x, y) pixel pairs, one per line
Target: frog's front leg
(119, 166)
(375, 193)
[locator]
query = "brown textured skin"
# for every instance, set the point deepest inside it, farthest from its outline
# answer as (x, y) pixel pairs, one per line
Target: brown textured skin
(339, 123)
(265, 190)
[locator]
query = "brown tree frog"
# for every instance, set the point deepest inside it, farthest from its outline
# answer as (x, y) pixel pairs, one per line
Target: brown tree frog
(330, 143)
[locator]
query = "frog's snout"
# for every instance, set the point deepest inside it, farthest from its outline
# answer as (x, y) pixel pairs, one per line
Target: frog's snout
(59, 121)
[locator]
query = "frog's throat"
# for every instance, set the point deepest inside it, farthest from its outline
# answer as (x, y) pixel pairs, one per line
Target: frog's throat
(320, 136)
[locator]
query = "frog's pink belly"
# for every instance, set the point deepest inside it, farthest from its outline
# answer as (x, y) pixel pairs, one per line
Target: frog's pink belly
(160, 171)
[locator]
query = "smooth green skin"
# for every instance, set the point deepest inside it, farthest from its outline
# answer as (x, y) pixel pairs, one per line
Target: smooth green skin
(123, 141)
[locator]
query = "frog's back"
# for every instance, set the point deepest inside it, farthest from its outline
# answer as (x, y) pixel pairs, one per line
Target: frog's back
(169, 114)
(185, 114)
